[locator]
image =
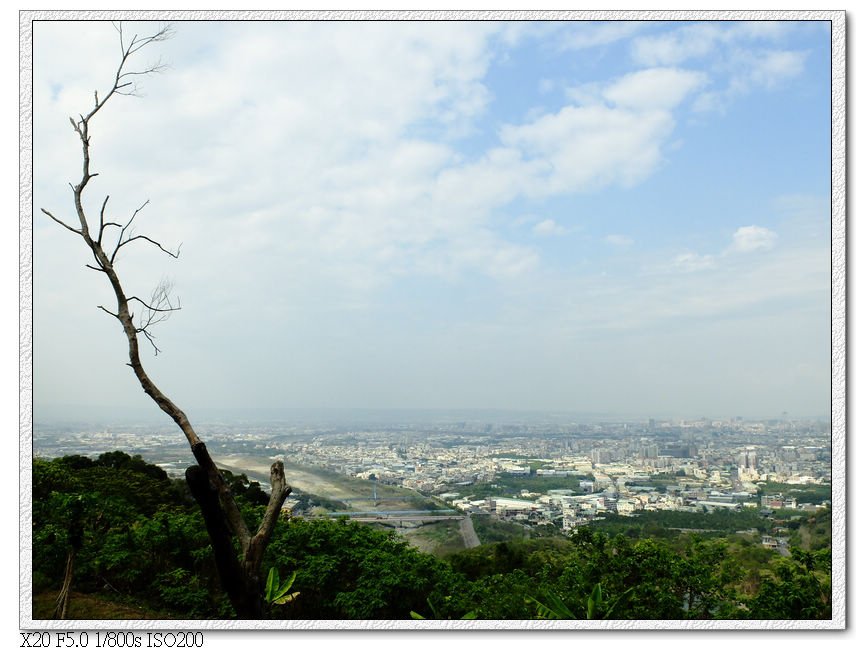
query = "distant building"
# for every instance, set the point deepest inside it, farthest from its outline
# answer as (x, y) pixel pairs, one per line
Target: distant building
(601, 456)
(747, 469)
(524, 470)
(778, 501)
(510, 507)
(718, 505)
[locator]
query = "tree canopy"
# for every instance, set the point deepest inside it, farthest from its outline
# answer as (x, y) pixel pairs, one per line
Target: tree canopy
(147, 544)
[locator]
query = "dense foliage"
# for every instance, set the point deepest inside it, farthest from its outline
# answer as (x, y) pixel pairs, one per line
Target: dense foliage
(813, 493)
(513, 484)
(139, 538)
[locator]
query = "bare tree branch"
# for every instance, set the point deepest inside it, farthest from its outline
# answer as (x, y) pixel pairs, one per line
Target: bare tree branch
(109, 312)
(157, 310)
(153, 308)
(128, 223)
(129, 238)
(102, 220)
(68, 227)
(242, 578)
(175, 255)
(150, 339)
(157, 67)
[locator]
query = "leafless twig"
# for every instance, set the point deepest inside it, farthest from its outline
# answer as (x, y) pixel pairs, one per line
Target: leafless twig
(241, 578)
(156, 310)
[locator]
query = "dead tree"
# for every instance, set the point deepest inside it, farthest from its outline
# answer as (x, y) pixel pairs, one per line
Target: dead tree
(237, 550)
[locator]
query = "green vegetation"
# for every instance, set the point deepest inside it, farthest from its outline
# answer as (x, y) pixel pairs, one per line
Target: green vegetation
(657, 481)
(810, 493)
(276, 592)
(491, 529)
(308, 501)
(809, 531)
(95, 607)
(441, 538)
(671, 523)
(510, 485)
(140, 549)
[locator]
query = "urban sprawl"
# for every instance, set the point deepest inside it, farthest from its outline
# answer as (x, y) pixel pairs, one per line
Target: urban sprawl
(605, 467)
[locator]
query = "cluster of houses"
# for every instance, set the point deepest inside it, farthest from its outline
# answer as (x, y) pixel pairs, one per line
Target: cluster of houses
(569, 508)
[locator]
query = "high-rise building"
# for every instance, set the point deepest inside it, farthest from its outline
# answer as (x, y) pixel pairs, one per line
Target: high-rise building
(748, 458)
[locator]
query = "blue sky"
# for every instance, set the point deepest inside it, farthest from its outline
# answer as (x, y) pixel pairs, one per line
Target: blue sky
(622, 217)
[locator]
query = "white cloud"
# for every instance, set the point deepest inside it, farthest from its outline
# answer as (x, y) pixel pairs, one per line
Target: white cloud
(316, 181)
(302, 150)
(748, 239)
(619, 240)
(295, 139)
(546, 86)
(548, 227)
(774, 67)
(577, 148)
(675, 47)
(750, 70)
(655, 88)
(589, 147)
(771, 30)
(585, 35)
(739, 57)
(690, 262)
(700, 40)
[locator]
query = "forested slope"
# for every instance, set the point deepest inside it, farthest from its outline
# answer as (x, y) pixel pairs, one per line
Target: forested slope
(137, 538)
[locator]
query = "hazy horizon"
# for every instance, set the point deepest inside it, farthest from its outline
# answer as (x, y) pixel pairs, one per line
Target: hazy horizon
(367, 415)
(613, 217)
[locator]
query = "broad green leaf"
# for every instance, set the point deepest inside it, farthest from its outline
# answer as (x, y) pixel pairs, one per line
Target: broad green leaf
(593, 601)
(286, 585)
(272, 584)
(286, 599)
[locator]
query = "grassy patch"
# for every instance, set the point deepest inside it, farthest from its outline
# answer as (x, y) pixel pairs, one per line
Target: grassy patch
(810, 493)
(440, 538)
(491, 529)
(92, 607)
(508, 486)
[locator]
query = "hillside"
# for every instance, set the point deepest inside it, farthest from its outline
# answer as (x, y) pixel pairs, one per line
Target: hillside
(140, 544)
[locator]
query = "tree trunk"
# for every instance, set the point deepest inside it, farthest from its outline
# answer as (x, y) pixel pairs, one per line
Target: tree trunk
(241, 586)
(239, 564)
(240, 570)
(62, 606)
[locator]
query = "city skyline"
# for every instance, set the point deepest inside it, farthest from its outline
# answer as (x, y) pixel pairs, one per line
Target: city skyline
(624, 217)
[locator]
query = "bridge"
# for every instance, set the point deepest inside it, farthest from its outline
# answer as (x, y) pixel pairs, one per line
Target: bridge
(392, 515)
(376, 499)
(467, 529)
(375, 513)
(399, 515)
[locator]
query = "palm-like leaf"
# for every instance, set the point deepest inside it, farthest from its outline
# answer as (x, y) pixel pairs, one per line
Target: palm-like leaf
(286, 599)
(594, 601)
(272, 584)
(277, 594)
(554, 610)
(284, 587)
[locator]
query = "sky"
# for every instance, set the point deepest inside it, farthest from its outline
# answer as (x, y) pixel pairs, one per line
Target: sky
(615, 217)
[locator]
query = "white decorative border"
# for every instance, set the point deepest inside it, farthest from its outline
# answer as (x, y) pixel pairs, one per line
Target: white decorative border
(839, 318)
